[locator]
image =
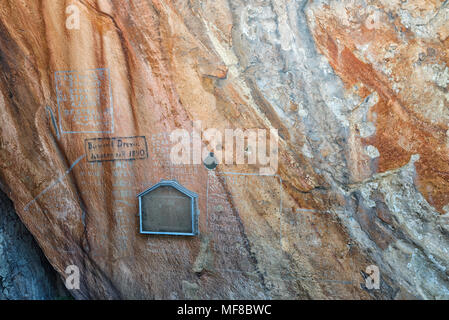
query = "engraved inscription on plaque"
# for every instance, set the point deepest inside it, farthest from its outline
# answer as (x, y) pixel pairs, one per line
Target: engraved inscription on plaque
(168, 208)
(116, 149)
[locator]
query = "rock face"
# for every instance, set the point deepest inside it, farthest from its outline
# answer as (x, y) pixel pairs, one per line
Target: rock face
(24, 271)
(358, 91)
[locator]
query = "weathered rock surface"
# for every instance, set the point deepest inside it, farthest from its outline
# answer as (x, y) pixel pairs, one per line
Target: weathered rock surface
(358, 91)
(24, 271)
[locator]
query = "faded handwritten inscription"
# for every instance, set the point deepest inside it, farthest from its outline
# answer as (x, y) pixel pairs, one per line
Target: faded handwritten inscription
(233, 240)
(84, 101)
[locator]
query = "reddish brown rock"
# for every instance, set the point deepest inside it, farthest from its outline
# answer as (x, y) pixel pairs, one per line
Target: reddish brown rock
(357, 92)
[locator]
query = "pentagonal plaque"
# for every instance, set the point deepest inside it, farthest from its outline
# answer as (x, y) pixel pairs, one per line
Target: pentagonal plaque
(168, 208)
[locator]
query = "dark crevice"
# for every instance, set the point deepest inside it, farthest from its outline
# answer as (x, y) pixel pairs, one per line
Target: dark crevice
(25, 272)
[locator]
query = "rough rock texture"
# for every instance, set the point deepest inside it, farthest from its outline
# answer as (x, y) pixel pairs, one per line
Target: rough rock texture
(24, 271)
(357, 89)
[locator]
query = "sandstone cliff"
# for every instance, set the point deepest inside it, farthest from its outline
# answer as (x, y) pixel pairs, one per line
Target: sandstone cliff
(24, 271)
(357, 89)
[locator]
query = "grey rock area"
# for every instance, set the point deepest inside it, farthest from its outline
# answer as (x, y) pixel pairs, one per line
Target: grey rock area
(277, 50)
(25, 273)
